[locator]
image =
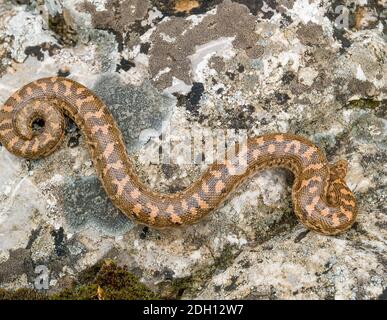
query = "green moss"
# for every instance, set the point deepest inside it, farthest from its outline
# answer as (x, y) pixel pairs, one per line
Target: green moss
(107, 281)
(178, 286)
(364, 104)
(88, 275)
(379, 107)
(22, 294)
(104, 281)
(84, 292)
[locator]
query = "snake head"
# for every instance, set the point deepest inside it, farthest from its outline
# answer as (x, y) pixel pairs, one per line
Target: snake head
(337, 185)
(332, 211)
(338, 170)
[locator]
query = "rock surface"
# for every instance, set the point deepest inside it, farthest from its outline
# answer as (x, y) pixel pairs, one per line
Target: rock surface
(314, 68)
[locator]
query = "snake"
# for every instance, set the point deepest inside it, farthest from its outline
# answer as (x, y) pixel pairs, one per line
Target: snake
(321, 199)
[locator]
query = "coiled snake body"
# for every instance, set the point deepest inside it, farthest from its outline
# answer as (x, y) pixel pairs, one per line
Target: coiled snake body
(321, 199)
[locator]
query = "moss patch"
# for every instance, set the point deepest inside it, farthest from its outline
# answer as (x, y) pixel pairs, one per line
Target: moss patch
(178, 287)
(104, 281)
(107, 282)
(22, 294)
(379, 107)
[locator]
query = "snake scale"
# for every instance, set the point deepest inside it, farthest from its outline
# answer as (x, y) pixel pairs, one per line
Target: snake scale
(321, 199)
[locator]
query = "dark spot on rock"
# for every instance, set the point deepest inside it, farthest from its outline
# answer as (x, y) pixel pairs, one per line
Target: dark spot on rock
(74, 141)
(230, 75)
(135, 30)
(226, 258)
(71, 126)
(288, 77)
(271, 3)
(29, 164)
(144, 47)
(383, 296)
(250, 108)
(286, 20)
(124, 65)
(144, 232)
(267, 247)
(157, 273)
(281, 98)
(63, 72)
(193, 98)
(267, 15)
(202, 118)
(245, 264)
(33, 236)
(59, 241)
(119, 37)
(38, 51)
(355, 226)
(241, 117)
(328, 267)
(301, 236)
(339, 34)
(168, 170)
(22, 1)
(168, 274)
(267, 105)
(253, 5)
(241, 68)
(232, 286)
(217, 288)
(219, 91)
(263, 121)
